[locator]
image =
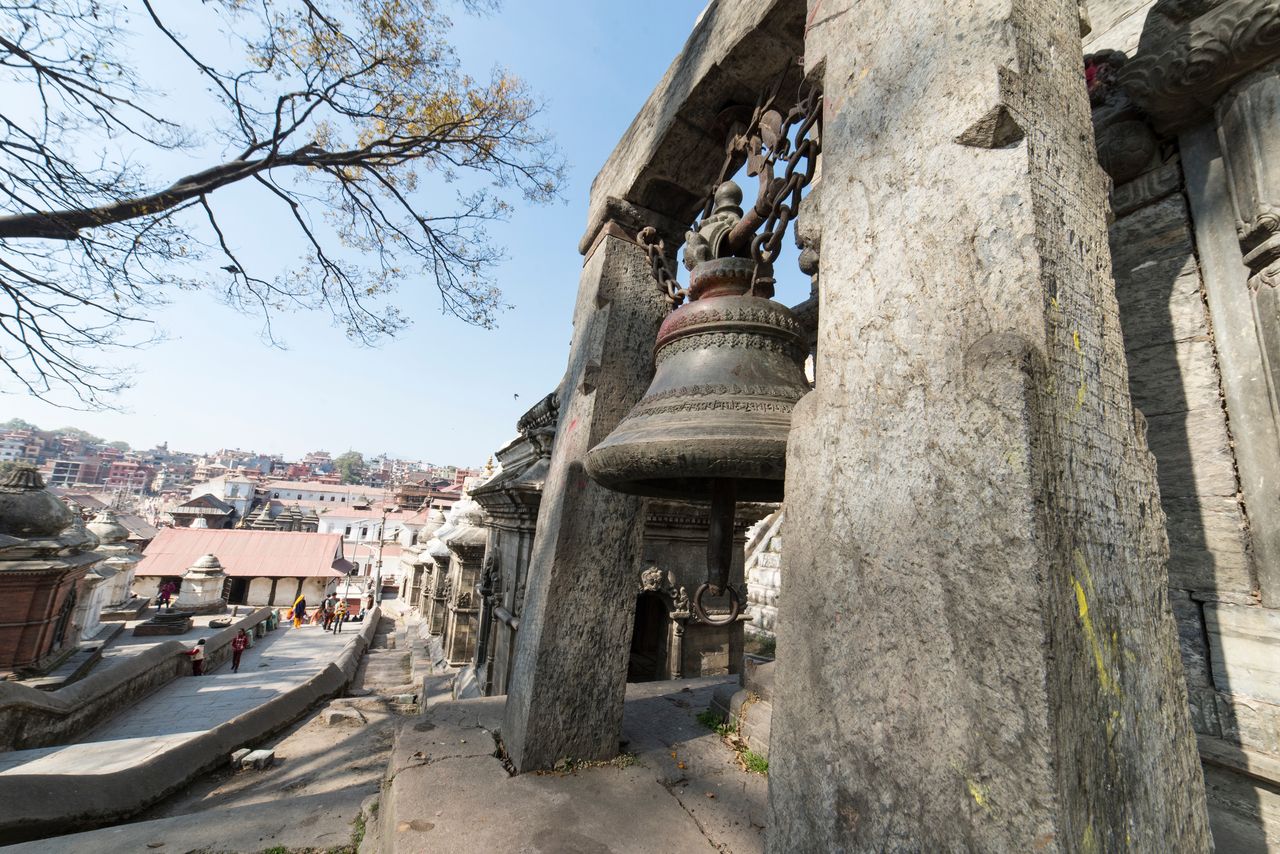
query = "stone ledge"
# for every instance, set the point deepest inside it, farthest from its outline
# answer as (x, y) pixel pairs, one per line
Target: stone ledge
(38, 805)
(1215, 751)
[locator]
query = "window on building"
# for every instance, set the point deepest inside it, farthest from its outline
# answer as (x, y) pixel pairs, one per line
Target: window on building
(348, 532)
(364, 532)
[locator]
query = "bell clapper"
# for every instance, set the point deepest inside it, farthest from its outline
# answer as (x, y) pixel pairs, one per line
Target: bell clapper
(720, 553)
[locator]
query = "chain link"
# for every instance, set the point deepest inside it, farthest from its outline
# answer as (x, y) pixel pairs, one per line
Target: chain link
(783, 196)
(786, 191)
(656, 248)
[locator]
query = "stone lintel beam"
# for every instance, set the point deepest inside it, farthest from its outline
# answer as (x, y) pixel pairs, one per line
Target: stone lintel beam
(976, 650)
(1184, 64)
(570, 669)
(624, 219)
(670, 156)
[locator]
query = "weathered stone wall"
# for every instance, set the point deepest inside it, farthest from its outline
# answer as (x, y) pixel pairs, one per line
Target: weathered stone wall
(1176, 379)
(1116, 24)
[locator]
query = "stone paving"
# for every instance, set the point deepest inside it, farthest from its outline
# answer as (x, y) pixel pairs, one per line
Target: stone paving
(189, 706)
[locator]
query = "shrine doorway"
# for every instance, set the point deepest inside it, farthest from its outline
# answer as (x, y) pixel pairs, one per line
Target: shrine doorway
(650, 638)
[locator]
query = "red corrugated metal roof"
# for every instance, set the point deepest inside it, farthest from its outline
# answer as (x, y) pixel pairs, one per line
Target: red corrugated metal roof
(244, 553)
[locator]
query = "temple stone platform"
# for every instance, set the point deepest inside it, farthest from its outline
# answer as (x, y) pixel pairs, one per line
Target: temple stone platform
(680, 788)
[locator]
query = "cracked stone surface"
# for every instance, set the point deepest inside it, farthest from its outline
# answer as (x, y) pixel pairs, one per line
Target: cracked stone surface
(685, 791)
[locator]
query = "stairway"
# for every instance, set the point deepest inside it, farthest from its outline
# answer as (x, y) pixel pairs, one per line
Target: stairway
(763, 574)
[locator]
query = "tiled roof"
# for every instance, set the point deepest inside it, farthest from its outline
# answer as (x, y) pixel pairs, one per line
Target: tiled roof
(245, 553)
(137, 527)
(206, 500)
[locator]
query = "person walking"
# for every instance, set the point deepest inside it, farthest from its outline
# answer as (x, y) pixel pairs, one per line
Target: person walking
(166, 593)
(299, 611)
(339, 616)
(197, 658)
(238, 645)
(330, 607)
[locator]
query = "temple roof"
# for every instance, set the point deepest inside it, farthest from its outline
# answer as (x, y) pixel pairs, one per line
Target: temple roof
(246, 553)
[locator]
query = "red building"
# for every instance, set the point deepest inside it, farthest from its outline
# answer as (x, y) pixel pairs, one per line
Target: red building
(129, 475)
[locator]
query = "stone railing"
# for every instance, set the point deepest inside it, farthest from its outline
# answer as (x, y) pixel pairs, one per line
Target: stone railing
(30, 718)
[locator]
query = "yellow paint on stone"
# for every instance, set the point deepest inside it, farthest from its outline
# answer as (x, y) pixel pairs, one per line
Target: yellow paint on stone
(978, 795)
(1105, 678)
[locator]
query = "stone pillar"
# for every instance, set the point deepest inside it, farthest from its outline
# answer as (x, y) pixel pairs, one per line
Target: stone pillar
(1248, 120)
(976, 650)
(569, 677)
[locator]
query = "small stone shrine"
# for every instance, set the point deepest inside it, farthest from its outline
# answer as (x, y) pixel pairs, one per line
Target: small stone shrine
(119, 565)
(415, 558)
(44, 558)
(466, 544)
(510, 502)
(202, 588)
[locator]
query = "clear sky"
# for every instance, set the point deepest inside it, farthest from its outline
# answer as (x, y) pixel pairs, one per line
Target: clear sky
(441, 391)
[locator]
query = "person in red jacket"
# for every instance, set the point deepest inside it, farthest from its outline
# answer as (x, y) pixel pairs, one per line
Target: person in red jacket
(197, 658)
(239, 644)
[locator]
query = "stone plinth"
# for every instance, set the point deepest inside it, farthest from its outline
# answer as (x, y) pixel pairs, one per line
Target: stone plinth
(201, 591)
(165, 623)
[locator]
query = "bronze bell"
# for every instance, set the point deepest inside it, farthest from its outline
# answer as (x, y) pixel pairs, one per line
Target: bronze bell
(713, 424)
(729, 369)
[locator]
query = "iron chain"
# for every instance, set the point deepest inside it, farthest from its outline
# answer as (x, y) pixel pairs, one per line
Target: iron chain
(656, 248)
(785, 203)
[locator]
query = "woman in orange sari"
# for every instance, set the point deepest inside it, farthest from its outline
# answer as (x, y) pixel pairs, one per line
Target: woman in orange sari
(299, 611)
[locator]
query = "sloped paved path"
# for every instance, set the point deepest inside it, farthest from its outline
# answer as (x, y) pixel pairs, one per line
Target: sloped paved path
(188, 707)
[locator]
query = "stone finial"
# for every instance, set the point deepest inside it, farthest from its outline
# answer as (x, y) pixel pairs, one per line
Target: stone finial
(200, 522)
(107, 528)
(22, 478)
(207, 562)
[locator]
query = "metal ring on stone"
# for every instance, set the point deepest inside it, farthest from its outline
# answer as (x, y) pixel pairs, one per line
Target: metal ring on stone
(735, 606)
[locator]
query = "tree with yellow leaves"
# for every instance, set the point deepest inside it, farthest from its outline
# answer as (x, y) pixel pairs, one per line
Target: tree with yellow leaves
(334, 110)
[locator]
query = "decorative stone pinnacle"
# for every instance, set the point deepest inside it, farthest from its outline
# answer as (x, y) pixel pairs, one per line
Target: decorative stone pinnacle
(22, 478)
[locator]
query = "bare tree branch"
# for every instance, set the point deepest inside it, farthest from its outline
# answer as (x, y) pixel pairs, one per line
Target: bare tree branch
(351, 114)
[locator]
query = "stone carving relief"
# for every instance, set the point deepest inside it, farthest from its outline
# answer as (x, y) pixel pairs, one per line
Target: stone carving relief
(657, 580)
(1248, 122)
(1192, 51)
(1124, 140)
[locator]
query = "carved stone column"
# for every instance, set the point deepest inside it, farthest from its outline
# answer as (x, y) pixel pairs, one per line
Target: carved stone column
(1249, 136)
(975, 645)
(1210, 68)
(567, 685)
